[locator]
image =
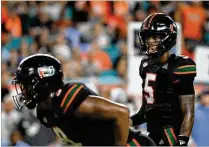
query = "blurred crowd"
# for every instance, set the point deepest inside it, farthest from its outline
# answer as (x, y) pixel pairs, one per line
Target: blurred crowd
(90, 40)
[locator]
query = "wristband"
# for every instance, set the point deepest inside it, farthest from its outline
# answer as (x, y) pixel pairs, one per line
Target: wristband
(183, 140)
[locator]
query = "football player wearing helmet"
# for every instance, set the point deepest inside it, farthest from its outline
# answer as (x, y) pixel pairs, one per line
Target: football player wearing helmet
(75, 113)
(168, 92)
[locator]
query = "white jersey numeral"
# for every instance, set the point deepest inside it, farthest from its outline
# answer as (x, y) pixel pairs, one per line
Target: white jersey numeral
(64, 138)
(149, 89)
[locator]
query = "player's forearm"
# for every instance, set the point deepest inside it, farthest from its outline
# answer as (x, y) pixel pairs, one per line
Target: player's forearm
(187, 105)
(122, 127)
(100, 108)
(187, 124)
(138, 118)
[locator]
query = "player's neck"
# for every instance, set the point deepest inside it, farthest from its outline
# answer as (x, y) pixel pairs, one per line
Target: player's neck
(164, 57)
(48, 100)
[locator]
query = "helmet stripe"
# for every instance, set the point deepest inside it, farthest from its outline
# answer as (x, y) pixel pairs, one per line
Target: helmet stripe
(151, 19)
(37, 55)
(147, 21)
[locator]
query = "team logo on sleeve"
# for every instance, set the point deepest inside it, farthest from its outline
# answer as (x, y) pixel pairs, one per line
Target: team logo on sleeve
(46, 71)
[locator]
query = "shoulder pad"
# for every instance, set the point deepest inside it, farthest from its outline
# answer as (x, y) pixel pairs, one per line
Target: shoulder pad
(70, 94)
(184, 65)
(64, 88)
(184, 60)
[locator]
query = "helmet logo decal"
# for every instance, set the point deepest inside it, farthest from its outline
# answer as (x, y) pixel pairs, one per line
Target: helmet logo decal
(47, 71)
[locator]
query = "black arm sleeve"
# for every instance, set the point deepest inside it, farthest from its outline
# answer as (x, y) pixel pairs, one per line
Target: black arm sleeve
(139, 117)
(184, 75)
(185, 86)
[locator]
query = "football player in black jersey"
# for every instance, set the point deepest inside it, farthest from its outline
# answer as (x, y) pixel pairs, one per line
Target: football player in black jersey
(75, 113)
(168, 92)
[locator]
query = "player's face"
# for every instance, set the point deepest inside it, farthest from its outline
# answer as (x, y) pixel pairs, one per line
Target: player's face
(152, 43)
(21, 98)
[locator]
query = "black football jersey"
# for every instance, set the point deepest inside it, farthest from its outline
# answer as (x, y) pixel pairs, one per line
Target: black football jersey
(162, 83)
(71, 129)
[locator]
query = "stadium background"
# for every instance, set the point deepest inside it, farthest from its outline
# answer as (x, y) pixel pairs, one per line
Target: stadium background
(90, 39)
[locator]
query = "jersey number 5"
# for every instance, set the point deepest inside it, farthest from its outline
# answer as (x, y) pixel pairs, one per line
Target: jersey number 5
(64, 138)
(149, 91)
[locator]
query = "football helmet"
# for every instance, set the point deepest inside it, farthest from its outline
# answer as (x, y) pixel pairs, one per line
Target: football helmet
(162, 29)
(36, 77)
